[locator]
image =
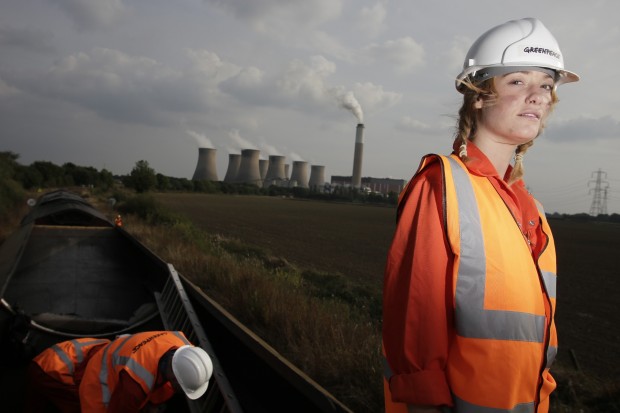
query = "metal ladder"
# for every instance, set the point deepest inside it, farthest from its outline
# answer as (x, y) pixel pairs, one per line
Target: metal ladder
(178, 314)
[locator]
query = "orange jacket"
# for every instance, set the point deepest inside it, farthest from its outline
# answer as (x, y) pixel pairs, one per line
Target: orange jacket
(136, 355)
(495, 301)
(65, 362)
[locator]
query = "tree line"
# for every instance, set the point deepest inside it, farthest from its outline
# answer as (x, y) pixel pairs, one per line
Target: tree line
(143, 178)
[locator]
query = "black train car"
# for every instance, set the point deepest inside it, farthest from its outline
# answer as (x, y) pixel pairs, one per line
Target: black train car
(69, 272)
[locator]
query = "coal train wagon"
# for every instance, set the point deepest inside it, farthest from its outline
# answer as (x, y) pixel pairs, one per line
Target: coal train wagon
(68, 272)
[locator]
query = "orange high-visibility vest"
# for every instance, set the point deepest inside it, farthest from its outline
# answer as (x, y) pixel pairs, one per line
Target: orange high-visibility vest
(65, 361)
(504, 302)
(138, 355)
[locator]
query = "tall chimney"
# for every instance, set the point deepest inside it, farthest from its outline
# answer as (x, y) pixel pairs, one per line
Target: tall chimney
(234, 160)
(287, 170)
(275, 173)
(299, 176)
(249, 170)
(205, 169)
(317, 176)
(356, 178)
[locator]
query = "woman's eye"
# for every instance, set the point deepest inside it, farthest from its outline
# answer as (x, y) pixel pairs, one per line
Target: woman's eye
(548, 87)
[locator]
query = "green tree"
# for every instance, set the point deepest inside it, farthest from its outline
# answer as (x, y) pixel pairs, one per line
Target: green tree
(8, 165)
(11, 191)
(105, 180)
(163, 182)
(143, 177)
(29, 177)
(51, 175)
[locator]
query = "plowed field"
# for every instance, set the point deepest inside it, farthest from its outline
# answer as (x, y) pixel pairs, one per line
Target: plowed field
(353, 240)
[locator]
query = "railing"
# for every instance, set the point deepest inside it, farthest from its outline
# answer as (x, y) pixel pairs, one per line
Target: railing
(178, 314)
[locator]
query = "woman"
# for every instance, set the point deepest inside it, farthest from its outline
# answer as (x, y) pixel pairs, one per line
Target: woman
(469, 289)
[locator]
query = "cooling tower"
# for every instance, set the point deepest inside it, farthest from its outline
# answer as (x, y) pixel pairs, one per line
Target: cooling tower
(234, 160)
(317, 176)
(205, 169)
(299, 176)
(263, 166)
(275, 173)
(356, 178)
(249, 170)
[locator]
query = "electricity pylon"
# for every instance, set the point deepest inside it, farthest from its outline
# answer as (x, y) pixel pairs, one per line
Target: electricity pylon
(599, 199)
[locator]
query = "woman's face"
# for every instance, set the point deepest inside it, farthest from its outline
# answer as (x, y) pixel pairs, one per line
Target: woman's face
(518, 113)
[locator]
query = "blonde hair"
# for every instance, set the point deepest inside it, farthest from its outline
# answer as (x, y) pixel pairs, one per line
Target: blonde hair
(468, 121)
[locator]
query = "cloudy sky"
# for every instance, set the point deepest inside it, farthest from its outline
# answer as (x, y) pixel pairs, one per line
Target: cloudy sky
(106, 83)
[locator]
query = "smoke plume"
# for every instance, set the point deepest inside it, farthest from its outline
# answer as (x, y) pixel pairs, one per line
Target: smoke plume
(348, 101)
(239, 141)
(202, 140)
(295, 157)
(269, 149)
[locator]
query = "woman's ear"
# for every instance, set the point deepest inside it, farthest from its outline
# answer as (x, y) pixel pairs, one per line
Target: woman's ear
(479, 103)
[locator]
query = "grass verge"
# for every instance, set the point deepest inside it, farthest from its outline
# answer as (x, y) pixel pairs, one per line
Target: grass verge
(324, 324)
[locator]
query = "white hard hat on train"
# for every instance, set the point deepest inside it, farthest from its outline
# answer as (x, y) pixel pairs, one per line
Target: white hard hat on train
(524, 44)
(192, 368)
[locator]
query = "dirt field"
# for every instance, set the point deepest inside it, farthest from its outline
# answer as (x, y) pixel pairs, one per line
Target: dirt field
(345, 238)
(354, 239)
(589, 295)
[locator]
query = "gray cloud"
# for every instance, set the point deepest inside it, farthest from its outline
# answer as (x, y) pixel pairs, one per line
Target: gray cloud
(121, 87)
(92, 14)
(270, 15)
(26, 39)
(371, 19)
(584, 129)
(405, 54)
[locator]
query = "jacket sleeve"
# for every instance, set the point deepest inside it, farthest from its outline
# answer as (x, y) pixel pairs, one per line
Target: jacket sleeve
(417, 298)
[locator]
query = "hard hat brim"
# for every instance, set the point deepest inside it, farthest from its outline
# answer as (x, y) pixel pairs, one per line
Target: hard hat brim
(561, 76)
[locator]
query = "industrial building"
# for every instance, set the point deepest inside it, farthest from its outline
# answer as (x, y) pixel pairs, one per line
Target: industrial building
(376, 185)
(248, 168)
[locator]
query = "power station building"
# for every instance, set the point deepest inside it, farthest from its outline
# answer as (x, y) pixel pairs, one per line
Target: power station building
(247, 167)
(378, 185)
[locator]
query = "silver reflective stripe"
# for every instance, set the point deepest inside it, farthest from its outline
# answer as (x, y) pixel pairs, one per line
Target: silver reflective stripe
(79, 352)
(549, 278)
(461, 406)
(181, 337)
(64, 357)
(552, 351)
(135, 367)
(472, 320)
(128, 362)
(550, 283)
(103, 374)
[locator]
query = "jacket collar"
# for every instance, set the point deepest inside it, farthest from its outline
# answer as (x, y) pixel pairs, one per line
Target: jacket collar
(478, 163)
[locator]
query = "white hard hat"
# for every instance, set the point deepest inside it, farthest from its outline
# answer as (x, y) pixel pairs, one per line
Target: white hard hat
(192, 368)
(524, 44)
